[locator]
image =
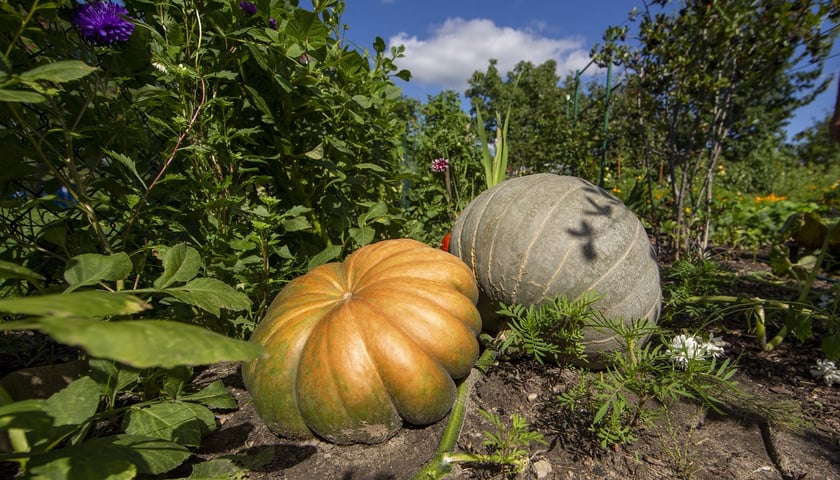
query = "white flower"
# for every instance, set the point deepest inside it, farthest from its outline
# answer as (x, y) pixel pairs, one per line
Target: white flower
(827, 371)
(714, 347)
(685, 348)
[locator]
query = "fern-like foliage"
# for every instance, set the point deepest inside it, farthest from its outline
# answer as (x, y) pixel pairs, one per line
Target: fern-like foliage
(549, 331)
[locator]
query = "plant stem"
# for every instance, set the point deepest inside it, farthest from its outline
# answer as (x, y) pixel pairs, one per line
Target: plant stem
(806, 289)
(441, 462)
(17, 436)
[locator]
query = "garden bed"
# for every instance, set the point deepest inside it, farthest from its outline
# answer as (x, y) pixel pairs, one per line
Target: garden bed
(689, 442)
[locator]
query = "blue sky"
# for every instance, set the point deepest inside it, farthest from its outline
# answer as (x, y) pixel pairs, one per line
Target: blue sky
(446, 41)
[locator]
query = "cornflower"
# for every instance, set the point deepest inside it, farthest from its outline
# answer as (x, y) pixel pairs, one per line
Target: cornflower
(248, 7)
(103, 23)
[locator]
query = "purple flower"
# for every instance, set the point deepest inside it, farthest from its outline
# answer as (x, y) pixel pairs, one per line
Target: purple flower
(272, 23)
(440, 165)
(102, 23)
(248, 7)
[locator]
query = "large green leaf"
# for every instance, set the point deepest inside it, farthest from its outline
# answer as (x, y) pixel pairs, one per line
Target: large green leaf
(179, 422)
(20, 96)
(181, 263)
(92, 303)
(75, 403)
(142, 343)
(63, 71)
(91, 268)
(115, 457)
(211, 295)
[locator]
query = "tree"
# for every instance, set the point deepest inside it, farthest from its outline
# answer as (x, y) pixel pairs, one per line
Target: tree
(719, 77)
(438, 128)
(543, 134)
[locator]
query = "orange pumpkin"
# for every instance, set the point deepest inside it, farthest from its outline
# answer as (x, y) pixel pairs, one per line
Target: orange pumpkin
(355, 348)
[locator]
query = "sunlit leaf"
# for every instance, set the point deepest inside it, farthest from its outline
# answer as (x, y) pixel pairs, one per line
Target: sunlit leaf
(115, 457)
(91, 303)
(181, 263)
(173, 421)
(142, 343)
(63, 71)
(92, 268)
(214, 395)
(211, 295)
(20, 96)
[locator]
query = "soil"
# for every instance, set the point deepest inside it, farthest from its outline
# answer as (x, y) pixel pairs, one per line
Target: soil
(687, 442)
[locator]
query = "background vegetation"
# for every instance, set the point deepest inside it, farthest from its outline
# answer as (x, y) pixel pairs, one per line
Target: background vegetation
(187, 173)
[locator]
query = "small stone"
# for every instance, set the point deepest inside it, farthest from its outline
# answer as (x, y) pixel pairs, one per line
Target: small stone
(542, 468)
(532, 397)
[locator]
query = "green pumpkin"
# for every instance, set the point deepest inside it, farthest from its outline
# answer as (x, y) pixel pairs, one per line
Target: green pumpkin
(532, 238)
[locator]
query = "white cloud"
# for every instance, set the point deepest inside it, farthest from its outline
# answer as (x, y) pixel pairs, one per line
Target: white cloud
(459, 47)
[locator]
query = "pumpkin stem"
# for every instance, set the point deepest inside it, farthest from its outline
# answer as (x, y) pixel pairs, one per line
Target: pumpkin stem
(441, 462)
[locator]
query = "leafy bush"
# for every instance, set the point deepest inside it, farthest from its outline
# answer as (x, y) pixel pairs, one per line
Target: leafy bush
(257, 137)
(131, 410)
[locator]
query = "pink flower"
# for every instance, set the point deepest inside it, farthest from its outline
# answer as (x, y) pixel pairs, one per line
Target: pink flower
(440, 165)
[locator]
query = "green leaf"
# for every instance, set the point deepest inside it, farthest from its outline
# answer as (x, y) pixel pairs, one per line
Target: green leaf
(64, 71)
(91, 268)
(361, 101)
(115, 457)
(831, 346)
(20, 96)
(25, 414)
(369, 166)
(181, 263)
(316, 153)
(12, 270)
(176, 421)
(362, 235)
(75, 403)
(214, 395)
(90, 303)
(143, 343)
(260, 103)
(324, 256)
(296, 224)
(210, 294)
(79, 466)
(128, 163)
(217, 469)
(111, 376)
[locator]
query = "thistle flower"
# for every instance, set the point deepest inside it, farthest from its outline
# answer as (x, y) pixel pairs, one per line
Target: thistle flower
(102, 23)
(272, 23)
(827, 371)
(248, 8)
(440, 165)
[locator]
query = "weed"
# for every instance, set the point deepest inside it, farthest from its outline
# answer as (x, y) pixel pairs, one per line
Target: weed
(552, 330)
